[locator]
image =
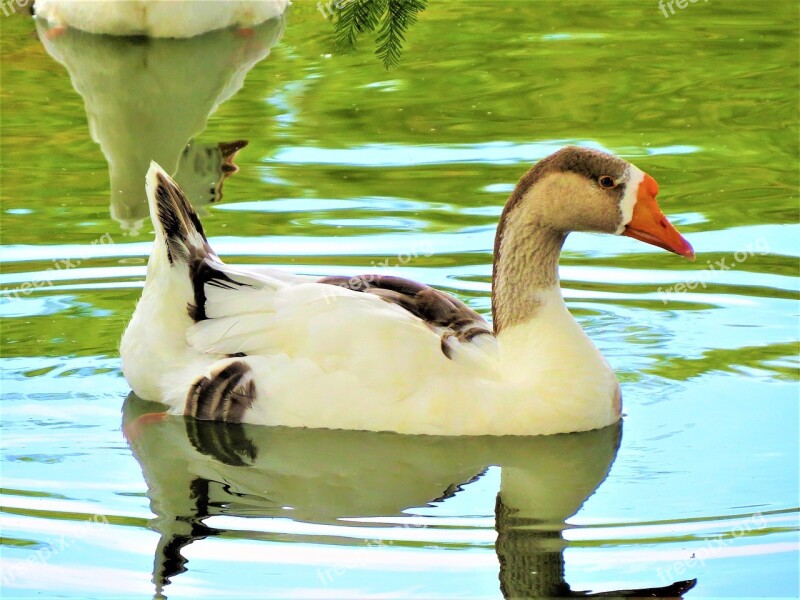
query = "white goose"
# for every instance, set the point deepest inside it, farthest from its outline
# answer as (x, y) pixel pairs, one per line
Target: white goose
(157, 18)
(383, 353)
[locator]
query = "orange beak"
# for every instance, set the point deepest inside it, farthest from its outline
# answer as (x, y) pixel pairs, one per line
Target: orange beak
(651, 226)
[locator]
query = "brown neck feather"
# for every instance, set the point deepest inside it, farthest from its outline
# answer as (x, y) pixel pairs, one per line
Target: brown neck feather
(525, 263)
(556, 196)
(526, 250)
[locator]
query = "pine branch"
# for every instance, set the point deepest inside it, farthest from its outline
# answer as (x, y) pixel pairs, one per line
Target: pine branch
(400, 16)
(355, 17)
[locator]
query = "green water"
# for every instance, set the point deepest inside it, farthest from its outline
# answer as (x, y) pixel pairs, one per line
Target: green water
(351, 168)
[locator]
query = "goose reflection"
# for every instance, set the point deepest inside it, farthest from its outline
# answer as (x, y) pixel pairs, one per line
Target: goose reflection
(198, 469)
(146, 99)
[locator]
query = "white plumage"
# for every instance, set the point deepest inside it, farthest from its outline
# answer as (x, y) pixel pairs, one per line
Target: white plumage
(268, 347)
(158, 18)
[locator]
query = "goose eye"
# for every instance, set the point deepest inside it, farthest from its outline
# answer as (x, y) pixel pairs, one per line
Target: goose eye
(606, 181)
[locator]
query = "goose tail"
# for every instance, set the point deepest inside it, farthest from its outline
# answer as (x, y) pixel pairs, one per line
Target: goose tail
(179, 233)
(183, 269)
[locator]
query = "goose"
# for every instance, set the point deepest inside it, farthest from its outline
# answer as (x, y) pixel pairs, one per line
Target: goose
(381, 353)
(156, 18)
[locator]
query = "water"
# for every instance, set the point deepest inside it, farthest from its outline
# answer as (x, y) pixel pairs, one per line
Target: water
(351, 168)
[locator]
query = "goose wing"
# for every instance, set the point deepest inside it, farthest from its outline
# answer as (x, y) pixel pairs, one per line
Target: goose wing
(333, 319)
(451, 319)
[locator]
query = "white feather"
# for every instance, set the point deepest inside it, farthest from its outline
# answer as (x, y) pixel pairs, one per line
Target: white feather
(628, 202)
(158, 18)
(325, 356)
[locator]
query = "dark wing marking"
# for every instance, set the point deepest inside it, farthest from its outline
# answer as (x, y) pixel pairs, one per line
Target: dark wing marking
(225, 442)
(179, 221)
(186, 243)
(225, 396)
(453, 319)
(203, 271)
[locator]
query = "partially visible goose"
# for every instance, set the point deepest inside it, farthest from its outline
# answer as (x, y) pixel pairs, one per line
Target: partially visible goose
(227, 343)
(147, 100)
(157, 18)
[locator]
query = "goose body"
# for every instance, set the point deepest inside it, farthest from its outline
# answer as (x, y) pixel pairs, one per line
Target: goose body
(376, 353)
(157, 18)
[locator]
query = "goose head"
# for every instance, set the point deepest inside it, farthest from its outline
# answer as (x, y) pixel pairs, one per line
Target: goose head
(574, 189)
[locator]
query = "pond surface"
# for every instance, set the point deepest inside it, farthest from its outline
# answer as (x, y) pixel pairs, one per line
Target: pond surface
(351, 168)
